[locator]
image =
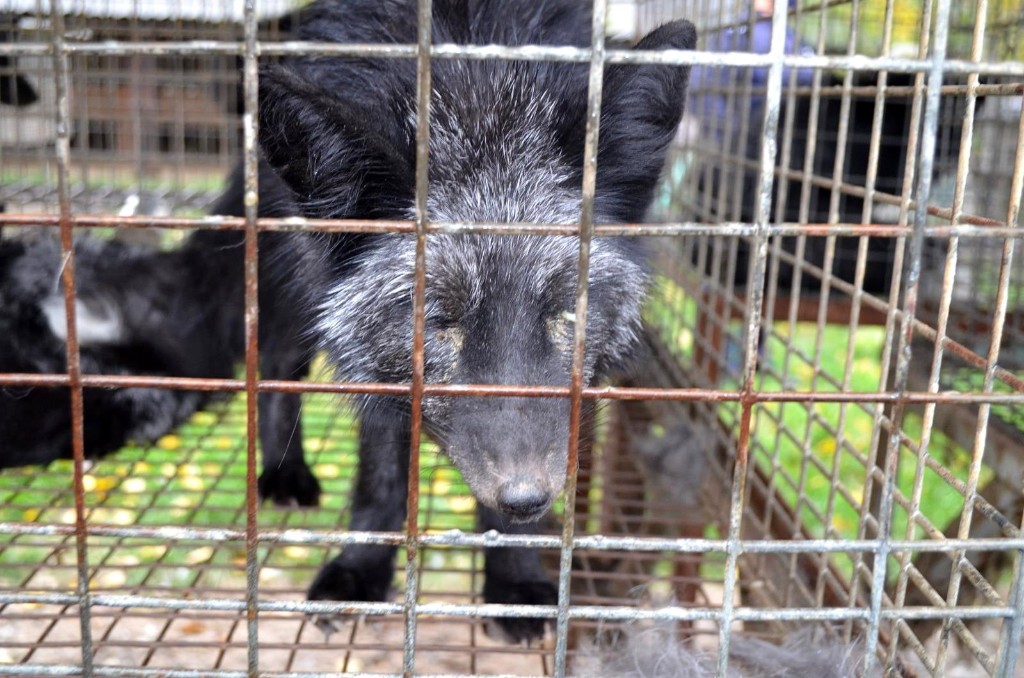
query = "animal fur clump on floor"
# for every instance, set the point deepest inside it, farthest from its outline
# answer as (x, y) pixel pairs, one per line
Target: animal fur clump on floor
(657, 652)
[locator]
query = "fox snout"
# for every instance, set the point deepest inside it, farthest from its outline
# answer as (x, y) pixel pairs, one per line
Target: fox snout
(524, 499)
(522, 495)
(521, 488)
(511, 452)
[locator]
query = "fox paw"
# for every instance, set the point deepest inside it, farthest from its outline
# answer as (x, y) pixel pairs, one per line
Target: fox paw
(290, 486)
(335, 581)
(519, 630)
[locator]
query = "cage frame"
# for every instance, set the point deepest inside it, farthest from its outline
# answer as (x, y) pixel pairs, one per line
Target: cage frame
(758, 297)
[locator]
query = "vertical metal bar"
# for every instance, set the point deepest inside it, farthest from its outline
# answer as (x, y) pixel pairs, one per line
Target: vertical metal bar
(423, 90)
(857, 294)
(137, 121)
(74, 367)
(924, 181)
(737, 153)
(1009, 643)
(858, 284)
(776, 244)
(984, 409)
(890, 321)
(251, 160)
(967, 133)
(796, 284)
(786, 154)
(594, 91)
(769, 129)
(813, 414)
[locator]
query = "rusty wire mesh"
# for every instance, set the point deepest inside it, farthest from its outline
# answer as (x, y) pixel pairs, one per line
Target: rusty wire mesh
(861, 367)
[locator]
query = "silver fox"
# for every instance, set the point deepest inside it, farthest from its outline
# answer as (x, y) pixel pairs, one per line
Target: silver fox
(506, 146)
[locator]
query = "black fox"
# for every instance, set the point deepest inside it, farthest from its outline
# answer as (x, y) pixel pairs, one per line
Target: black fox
(142, 311)
(506, 145)
(35, 422)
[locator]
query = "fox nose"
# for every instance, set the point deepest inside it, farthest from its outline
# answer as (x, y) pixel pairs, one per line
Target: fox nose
(522, 500)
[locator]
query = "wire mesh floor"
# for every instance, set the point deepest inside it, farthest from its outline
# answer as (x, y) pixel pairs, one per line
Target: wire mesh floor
(196, 478)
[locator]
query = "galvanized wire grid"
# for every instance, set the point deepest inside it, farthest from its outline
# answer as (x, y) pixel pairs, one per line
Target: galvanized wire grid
(938, 327)
(744, 353)
(164, 128)
(195, 478)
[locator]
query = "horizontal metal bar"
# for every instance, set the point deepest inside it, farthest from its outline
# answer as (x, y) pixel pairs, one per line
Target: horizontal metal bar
(904, 91)
(581, 612)
(213, 223)
(520, 391)
(525, 391)
(518, 53)
(498, 539)
(981, 228)
(125, 672)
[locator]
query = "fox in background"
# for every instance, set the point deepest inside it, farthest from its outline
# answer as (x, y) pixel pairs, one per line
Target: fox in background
(139, 310)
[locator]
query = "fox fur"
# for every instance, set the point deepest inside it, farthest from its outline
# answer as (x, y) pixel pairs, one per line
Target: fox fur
(657, 652)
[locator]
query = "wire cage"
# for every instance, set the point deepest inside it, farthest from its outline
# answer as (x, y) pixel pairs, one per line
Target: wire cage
(837, 303)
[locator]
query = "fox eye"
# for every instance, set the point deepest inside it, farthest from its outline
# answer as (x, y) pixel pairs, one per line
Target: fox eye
(560, 330)
(451, 335)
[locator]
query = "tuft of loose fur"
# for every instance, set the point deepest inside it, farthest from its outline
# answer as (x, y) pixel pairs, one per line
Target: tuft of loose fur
(804, 653)
(657, 652)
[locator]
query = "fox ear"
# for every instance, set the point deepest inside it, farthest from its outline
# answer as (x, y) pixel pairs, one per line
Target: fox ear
(641, 111)
(328, 153)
